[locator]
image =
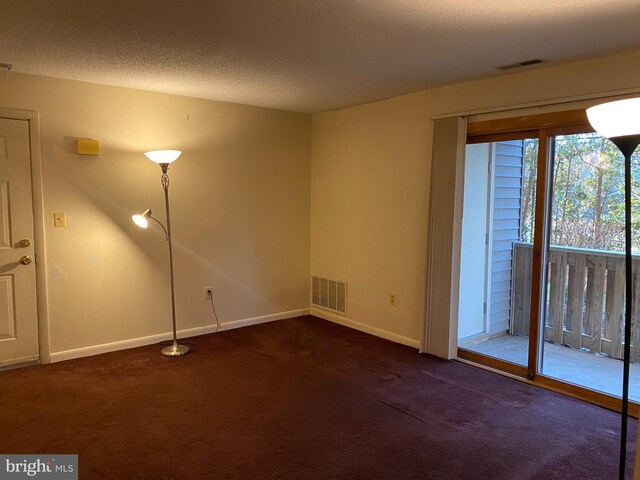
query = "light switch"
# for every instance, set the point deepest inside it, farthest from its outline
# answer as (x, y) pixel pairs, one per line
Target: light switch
(59, 219)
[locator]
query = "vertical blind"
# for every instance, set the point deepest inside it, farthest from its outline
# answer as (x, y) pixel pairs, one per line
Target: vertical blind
(440, 326)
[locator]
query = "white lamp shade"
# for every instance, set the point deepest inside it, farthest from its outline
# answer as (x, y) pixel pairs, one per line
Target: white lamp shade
(142, 219)
(163, 156)
(616, 119)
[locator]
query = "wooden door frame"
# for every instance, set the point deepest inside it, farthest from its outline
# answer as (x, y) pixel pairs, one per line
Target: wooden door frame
(540, 249)
(37, 193)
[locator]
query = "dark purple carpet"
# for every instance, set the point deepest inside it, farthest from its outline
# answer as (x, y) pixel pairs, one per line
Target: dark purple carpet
(301, 399)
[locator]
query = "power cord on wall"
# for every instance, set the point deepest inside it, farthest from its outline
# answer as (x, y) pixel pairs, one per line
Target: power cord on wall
(213, 308)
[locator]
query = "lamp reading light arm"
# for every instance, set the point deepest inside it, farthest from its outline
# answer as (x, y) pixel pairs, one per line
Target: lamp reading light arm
(166, 234)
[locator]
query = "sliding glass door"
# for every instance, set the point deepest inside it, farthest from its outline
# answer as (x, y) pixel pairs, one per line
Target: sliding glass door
(585, 285)
(542, 283)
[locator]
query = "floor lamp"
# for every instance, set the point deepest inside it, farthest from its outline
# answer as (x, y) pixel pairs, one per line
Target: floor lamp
(164, 158)
(619, 121)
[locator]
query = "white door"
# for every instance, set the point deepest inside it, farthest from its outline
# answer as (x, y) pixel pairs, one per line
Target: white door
(473, 254)
(18, 315)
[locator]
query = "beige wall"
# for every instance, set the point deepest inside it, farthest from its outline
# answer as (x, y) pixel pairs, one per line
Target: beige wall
(260, 199)
(370, 182)
(240, 209)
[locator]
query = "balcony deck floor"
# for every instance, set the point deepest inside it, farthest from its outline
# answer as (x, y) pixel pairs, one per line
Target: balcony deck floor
(582, 368)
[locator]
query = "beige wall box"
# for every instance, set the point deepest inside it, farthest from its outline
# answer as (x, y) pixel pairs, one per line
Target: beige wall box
(86, 146)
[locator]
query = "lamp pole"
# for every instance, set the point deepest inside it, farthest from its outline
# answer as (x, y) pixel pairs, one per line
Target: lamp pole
(174, 350)
(627, 145)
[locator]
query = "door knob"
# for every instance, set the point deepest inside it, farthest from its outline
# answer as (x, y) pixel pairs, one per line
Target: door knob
(24, 243)
(25, 260)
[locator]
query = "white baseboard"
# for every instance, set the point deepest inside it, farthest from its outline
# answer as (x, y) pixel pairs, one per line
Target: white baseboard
(151, 339)
(378, 332)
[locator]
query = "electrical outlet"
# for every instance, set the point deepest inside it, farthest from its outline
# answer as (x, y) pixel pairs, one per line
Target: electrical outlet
(208, 293)
(392, 299)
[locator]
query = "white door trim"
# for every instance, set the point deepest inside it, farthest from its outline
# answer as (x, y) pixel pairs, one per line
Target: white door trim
(491, 203)
(38, 224)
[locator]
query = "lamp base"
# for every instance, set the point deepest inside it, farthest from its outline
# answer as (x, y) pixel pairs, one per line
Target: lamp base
(175, 350)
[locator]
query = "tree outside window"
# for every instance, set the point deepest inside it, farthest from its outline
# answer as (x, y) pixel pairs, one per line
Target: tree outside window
(588, 193)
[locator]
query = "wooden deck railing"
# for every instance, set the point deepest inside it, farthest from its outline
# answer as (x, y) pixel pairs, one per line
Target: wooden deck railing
(585, 298)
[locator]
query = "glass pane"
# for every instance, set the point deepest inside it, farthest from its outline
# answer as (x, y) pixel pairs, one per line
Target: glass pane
(585, 289)
(497, 249)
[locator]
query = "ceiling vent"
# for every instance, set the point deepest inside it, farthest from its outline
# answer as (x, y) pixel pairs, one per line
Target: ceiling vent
(526, 63)
(329, 294)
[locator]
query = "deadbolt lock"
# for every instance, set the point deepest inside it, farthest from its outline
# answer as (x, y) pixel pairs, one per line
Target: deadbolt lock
(25, 260)
(24, 243)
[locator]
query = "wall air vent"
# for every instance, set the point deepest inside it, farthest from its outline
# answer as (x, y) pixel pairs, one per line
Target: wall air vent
(329, 294)
(526, 63)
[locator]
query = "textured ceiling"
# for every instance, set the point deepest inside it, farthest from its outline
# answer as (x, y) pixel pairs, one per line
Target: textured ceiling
(303, 55)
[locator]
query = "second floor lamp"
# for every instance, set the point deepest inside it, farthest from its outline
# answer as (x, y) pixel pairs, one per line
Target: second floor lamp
(619, 121)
